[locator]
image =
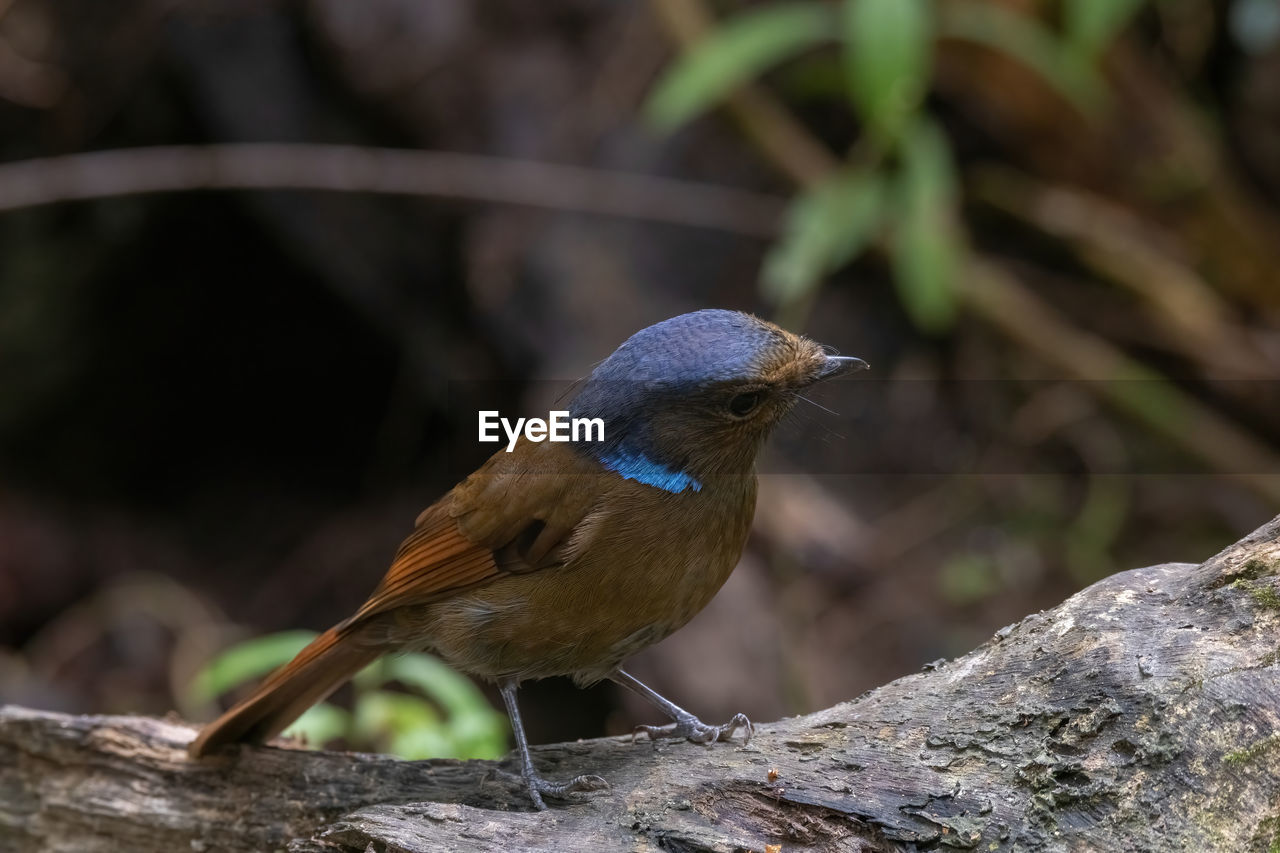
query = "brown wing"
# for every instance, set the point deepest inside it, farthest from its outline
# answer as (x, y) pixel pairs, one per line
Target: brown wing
(520, 512)
(436, 560)
(515, 514)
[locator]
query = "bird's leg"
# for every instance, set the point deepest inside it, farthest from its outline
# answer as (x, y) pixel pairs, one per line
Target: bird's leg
(686, 725)
(536, 784)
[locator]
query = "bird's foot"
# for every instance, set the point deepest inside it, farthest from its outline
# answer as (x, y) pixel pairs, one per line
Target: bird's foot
(689, 726)
(571, 790)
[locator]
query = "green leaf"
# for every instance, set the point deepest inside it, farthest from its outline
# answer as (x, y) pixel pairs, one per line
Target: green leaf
(927, 247)
(246, 661)
(888, 51)
(481, 734)
(473, 728)
(320, 724)
(382, 717)
(371, 677)
(1025, 39)
(1091, 24)
(827, 226)
(419, 742)
(402, 724)
(739, 50)
(456, 693)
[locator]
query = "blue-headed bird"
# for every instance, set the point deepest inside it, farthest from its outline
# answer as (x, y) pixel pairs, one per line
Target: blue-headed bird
(565, 558)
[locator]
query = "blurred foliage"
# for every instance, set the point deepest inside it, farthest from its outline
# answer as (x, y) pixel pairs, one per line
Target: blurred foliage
(241, 390)
(898, 185)
(744, 47)
(968, 579)
(443, 714)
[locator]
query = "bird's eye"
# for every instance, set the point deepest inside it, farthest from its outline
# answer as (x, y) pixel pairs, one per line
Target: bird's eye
(744, 404)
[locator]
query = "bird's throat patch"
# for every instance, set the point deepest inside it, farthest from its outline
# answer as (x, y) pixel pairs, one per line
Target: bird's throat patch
(636, 466)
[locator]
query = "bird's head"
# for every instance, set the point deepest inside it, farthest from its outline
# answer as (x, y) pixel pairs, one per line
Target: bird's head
(694, 396)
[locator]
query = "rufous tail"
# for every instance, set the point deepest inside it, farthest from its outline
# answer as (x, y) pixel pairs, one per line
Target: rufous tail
(318, 670)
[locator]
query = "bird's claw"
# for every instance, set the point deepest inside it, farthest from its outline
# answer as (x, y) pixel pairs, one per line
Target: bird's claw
(693, 729)
(571, 790)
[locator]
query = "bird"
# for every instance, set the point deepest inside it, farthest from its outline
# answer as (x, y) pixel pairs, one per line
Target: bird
(565, 558)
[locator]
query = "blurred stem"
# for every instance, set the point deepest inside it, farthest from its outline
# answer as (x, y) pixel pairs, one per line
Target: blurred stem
(1196, 321)
(1001, 301)
(998, 298)
(353, 168)
(789, 146)
(786, 143)
(1233, 231)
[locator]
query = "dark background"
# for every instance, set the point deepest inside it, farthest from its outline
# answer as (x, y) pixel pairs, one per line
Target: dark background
(220, 412)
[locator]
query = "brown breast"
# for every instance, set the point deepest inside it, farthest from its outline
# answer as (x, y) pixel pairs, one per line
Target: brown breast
(640, 565)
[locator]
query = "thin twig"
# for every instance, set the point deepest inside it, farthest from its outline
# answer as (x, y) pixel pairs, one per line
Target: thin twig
(344, 168)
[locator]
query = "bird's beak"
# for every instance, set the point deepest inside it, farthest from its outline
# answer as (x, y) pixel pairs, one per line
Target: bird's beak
(839, 365)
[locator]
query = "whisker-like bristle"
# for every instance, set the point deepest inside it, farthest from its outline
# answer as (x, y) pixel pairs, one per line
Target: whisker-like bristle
(817, 405)
(829, 432)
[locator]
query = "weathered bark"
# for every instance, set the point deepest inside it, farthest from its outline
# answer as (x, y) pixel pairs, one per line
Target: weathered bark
(1141, 714)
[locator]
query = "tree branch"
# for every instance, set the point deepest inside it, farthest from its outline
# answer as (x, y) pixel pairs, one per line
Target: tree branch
(349, 168)
(1141, 714)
